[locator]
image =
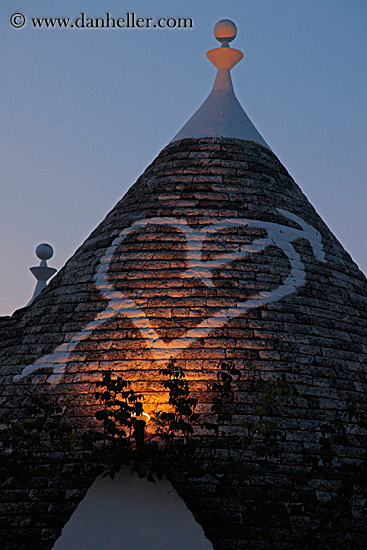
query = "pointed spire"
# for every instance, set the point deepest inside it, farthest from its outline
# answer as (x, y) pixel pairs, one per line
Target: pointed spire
(221, 114)
(42, 272)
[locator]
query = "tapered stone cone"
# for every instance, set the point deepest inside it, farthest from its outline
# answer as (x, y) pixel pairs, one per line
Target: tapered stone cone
(213, 255)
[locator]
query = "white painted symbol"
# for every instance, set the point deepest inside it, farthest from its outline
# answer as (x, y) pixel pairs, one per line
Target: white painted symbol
(278, 235)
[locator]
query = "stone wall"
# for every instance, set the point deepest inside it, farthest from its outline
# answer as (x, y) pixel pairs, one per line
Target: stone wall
(214, 254)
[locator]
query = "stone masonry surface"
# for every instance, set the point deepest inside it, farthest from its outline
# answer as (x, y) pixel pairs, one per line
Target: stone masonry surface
(173, 277)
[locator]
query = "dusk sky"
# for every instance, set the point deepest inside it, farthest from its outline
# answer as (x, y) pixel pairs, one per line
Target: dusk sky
(84, 111)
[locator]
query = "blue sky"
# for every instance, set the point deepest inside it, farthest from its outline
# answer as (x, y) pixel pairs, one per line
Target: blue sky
(83, 112)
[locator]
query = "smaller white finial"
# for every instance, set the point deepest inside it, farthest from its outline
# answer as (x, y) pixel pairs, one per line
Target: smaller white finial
(44, 251)
(225, 31)
(42, 272)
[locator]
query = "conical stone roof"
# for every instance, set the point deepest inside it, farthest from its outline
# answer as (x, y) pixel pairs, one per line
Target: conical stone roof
(213, 254)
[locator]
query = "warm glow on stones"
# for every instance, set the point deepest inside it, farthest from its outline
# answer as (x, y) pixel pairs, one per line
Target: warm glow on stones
(278, 235)
(143, 417)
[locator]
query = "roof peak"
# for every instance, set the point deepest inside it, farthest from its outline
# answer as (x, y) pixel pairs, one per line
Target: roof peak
(221, 114)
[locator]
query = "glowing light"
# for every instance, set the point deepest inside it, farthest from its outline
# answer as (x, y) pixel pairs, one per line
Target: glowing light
(143, 417)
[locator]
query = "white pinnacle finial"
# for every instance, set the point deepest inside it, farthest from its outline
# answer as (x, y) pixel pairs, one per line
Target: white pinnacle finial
(225, 31)
(44, 251)
(42, 272)
(225, 57)
(221, 115)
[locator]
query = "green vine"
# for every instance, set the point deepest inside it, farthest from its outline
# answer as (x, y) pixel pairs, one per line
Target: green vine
(253, 476)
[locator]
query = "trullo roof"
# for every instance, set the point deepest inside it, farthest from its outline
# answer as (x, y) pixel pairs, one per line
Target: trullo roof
(213, 254)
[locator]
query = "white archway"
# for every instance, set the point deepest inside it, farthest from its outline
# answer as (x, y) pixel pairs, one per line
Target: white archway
(128, 512)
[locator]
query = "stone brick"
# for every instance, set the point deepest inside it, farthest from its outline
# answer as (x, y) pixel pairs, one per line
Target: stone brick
(315, 335)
